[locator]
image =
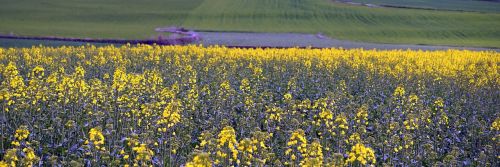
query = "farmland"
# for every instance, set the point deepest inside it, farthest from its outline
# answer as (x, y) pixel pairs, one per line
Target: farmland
(215, 106)
(216, 83)
(460, 5)
(114, 19)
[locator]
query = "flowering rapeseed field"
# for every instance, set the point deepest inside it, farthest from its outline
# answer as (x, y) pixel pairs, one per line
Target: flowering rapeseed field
(215, 106)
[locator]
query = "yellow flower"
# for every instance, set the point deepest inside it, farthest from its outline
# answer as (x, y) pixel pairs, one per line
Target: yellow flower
(399, 92)
(22, 133)
(274, 113)
(341, 122)
(200, 160)
(30, 158)
(287, 97)
(143, 153)
(361, 154)
(11, 156)
(171, 114)
(38, 72)
(96, 136)
(496, 124)
(314, 155)
(227, 137)
(15, 143)
(3, 164)
(245, 145)
(119, 79)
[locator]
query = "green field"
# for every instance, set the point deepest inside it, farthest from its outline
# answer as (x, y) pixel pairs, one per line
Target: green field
(463, 5)
(137, 19)
(92, 18)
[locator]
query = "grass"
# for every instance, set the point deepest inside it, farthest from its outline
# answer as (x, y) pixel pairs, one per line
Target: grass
(92, 18)
(137, 19)
(464, 5)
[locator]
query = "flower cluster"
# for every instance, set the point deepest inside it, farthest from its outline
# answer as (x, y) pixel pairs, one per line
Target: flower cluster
(22, 153)
(143, 153)
(360, 153)
(227, 144)
(297, 146)
(200, 160)
(96, 137)
(170, 115)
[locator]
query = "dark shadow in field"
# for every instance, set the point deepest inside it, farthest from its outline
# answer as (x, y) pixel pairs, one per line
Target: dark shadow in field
(28, 43)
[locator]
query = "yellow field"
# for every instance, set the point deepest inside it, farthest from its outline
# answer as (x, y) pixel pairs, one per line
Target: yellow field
(215, 106)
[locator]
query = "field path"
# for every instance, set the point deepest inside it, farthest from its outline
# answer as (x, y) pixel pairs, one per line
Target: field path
(251, 39)
(232, 39)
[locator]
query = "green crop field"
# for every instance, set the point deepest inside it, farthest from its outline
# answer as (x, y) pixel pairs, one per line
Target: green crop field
(463, 5)
(92, 18)
(137, 19)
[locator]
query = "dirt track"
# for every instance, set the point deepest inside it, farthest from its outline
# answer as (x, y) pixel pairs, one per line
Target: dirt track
(249, 39)
(233, 39)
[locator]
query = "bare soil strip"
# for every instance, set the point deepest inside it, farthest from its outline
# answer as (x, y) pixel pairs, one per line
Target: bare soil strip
(286, 40)
(247, 40)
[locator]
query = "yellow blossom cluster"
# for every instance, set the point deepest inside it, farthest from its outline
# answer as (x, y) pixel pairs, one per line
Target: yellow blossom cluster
(297, 144)
(200, 160)
(227, 141)
(362, 154)
(496, 124)
(274, 113)
(22, 133)
(411, 123)
(362, 115)
(325, 117)
(22, 154)
(143, 153)
(246, 148)
(170, 115)
(314, 154)
(341, 123)
(96, 137)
